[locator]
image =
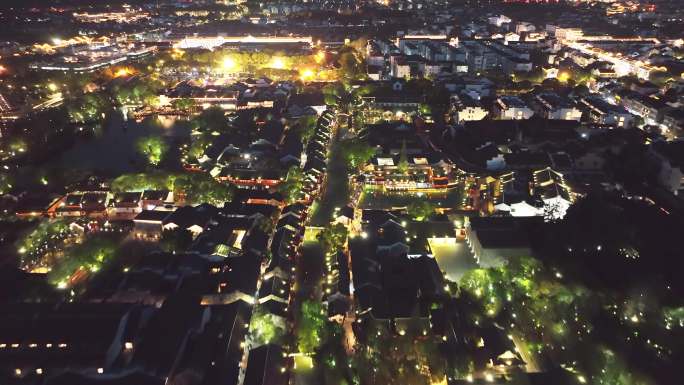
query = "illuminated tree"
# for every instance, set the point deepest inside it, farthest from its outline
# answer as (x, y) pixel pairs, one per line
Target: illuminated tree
(403, 164)
(311, 326)
(176, 240)
(211, 119)
(351, 66)
(198, 188)
(183, 104)
(356, 152)
(420, 210)
(17, 145)
(5, 183)
(138, 92)
(306, 127)
(153, 147)
(88, 256)
(144, 181)
(333, 237)
(42, 239)
(265, 224)
(292, 186)
(89, 108)
(265, 328)
(198, 147)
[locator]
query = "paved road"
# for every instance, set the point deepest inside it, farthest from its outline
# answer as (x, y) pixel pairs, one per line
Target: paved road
(336, 188)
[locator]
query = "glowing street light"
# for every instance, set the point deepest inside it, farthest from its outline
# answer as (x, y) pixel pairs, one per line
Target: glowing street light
(307, 74)
(229, 63)
(122, 72)
(278, 63)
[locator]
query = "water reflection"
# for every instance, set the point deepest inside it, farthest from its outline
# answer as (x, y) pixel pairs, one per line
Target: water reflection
(111, 148)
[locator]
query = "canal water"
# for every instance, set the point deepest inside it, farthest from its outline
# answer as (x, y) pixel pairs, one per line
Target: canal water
(111, 149)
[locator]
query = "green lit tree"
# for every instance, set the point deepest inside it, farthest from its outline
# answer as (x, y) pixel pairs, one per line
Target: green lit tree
(5, 183)
(420, 210)
(311, 326)
(211, 119)
(89, 108)
(202, 188)
(333, 237)
(41, 240)
(306, 127)
(153, 148)
(356, 152)
(183, 104)
(157, 180)
(292, 186)
(88, 257)
(403, 164)
(176, 240)
(351, 64)
(265, 328)
(198, 146)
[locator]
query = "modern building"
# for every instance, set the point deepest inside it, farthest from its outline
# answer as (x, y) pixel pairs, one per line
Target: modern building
(465, 108)
(494, 240)
(552, 106)
(602, 112)
(670, 158)
(512, 107)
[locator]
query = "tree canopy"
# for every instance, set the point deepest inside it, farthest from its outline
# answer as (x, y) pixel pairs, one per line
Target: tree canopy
(88, 256)
(153, 148)
(333, 237)
(265, 328)
(292, 186)
(420, 210)
(311, 326)
(356, 152)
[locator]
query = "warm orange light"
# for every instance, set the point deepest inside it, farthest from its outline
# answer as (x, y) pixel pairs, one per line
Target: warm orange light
(229, 63)
(278, 63)
(306, 74)
(123, 72)
(320, 57)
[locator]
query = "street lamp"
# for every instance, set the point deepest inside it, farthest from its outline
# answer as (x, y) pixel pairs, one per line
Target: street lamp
(229, 64)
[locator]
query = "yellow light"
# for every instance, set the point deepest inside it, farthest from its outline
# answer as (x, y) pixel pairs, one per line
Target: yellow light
(229, 63)
(307, 74)
(278, 63)
(52, 87)
(320, 57)
(121, 72)
(563, 77)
